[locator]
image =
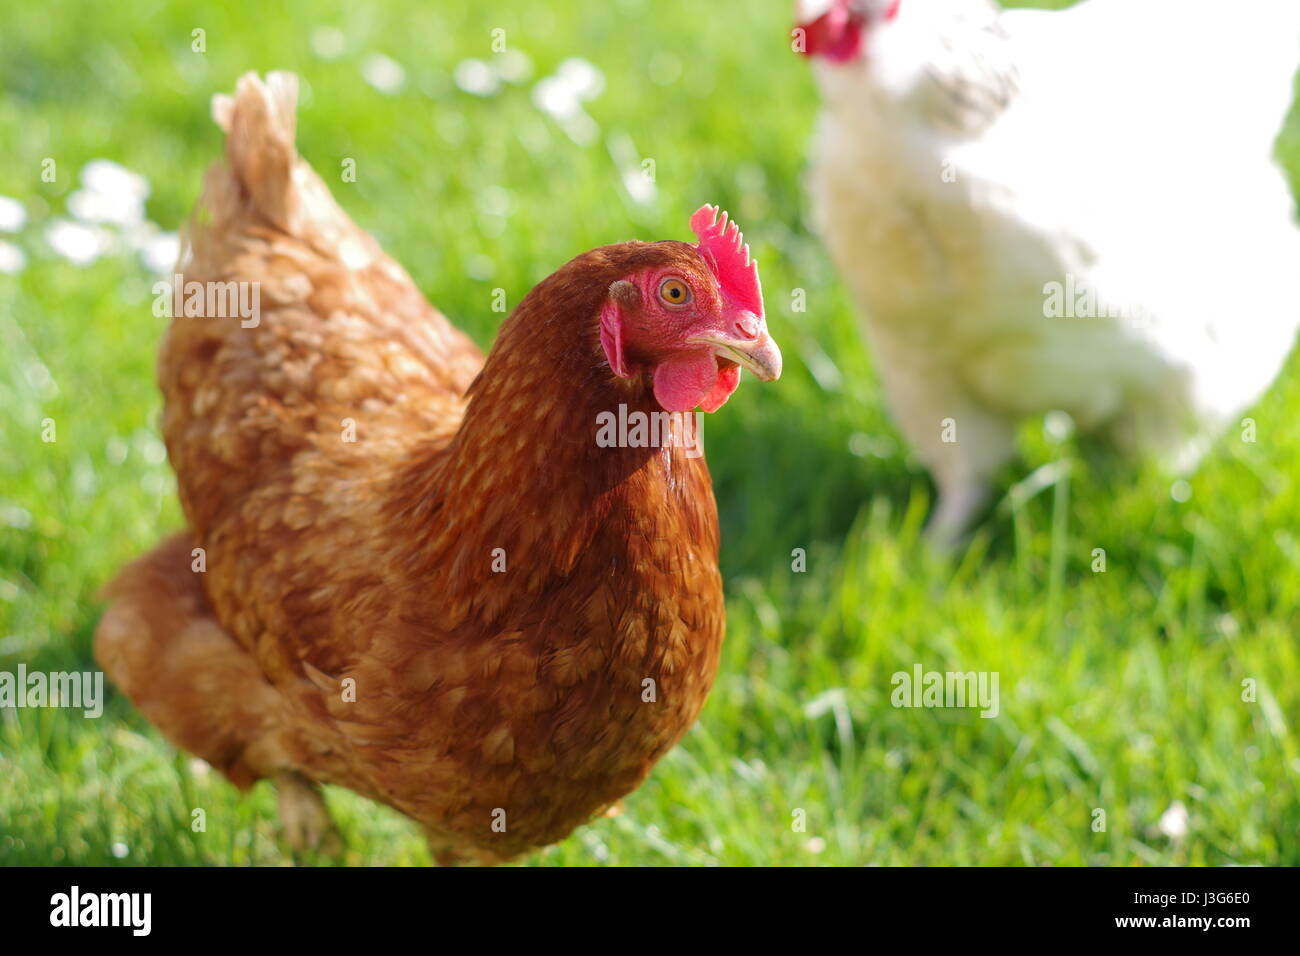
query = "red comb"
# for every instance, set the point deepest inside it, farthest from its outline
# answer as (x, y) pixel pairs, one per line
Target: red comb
(722, 247)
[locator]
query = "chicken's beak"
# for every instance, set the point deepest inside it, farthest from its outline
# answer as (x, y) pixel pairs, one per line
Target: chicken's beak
(749, 346)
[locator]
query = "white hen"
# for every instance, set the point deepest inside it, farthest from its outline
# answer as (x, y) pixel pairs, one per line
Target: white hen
(1074, 210)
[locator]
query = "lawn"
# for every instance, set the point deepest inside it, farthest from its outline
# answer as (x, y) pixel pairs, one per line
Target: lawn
(1171, 678)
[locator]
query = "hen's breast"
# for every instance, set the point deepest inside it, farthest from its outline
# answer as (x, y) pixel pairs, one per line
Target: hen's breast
(546, 721)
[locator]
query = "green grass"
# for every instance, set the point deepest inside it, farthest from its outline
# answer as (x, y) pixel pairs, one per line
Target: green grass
(1120, 690)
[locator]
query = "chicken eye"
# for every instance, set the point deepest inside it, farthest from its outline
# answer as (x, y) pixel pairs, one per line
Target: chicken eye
(674, 292)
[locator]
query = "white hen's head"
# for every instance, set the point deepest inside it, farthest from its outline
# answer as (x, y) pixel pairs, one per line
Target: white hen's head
(837, 30)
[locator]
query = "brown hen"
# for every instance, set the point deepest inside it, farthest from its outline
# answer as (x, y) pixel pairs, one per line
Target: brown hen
(427, 578)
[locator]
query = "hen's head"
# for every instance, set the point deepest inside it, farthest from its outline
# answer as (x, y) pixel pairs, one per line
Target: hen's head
(690, 317)
(837, 29)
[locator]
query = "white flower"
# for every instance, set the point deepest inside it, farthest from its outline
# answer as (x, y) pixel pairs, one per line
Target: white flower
(160, 252)
(111, 194)
(555, 98)
(475, 76)
(383, 73)
(328, 43)
(110, 178)
(80, 245)
(513, 66)
(583, 77)
(118, 208)
(1173, 823)
(13, 215)
(12, 260)
(561, 96)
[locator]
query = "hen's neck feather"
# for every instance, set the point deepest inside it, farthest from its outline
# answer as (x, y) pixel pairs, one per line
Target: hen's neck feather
(525, 474)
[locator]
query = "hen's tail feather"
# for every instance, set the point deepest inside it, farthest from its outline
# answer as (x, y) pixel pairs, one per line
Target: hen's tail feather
(264, 182)
(261, 123)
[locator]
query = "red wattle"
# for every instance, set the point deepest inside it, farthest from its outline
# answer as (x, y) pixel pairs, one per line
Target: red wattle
(686, 380)
(726, 382)
(836, 35)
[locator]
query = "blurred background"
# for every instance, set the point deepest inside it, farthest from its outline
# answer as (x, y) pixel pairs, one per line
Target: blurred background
(482, 168)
